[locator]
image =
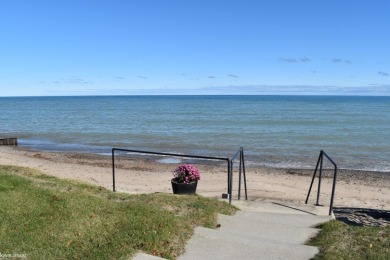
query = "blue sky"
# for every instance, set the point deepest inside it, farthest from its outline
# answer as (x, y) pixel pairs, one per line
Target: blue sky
(69, 47)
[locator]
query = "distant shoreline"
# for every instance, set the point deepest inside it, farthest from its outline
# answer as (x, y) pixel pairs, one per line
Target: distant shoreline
(203, 95)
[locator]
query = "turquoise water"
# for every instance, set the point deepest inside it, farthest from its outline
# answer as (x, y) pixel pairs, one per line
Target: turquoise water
(276, 131)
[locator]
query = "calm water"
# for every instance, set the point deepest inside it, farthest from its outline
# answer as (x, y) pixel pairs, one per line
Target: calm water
(276, 131)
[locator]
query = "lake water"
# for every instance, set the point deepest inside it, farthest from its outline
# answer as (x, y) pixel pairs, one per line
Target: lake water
(275, 131)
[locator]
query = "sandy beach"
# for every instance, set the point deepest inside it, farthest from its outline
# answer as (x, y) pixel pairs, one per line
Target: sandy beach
(360, 189)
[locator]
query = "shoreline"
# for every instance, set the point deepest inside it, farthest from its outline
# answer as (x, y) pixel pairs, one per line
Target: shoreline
(354, 188)
(94, 154)
(268, 161)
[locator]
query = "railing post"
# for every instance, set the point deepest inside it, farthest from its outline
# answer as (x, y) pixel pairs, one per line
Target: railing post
(113, 169)
(314, 176)
(243, 171)
(228, 178)
(239, 178)
(231, 181)
(320, 162)
(319, 178)
(333, 190)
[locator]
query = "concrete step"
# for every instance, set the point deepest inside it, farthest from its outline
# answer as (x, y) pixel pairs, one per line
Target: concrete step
(294, 220)
(261, 230)
(271, 226)
(209, 244)
(287, 207)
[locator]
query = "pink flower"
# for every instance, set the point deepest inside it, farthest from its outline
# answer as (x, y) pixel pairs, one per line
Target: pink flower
(186, 173)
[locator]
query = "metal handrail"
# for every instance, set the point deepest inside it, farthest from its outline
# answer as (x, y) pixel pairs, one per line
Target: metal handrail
(240, 152)
(229, 163)
(320, 163)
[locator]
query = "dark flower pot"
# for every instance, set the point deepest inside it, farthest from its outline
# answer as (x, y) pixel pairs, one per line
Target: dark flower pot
(184, 188)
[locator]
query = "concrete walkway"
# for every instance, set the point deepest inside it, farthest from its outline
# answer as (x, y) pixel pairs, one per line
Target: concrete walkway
(260, 230)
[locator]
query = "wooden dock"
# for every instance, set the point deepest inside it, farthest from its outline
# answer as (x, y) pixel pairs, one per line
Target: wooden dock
(8, 141)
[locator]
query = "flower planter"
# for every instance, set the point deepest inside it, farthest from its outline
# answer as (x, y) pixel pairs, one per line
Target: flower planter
(184, 188)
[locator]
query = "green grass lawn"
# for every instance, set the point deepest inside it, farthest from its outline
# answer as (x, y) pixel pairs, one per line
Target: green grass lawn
(338, 240)
(45, 217)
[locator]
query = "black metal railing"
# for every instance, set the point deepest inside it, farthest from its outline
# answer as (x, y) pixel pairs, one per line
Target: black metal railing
(228, 161)
(320, 163)
(240, 153)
